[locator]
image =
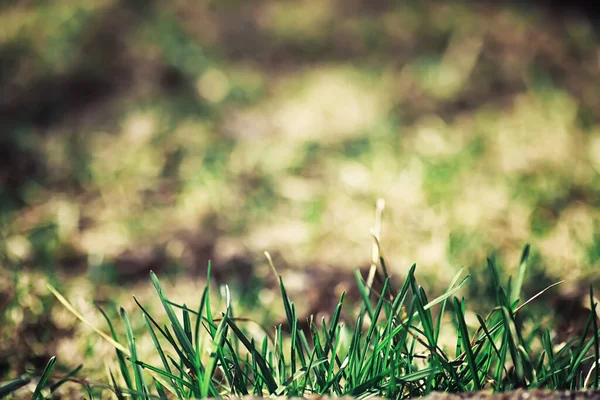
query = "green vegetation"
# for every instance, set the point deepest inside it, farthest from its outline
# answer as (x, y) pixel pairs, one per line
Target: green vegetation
(158, 135)
(392, 349)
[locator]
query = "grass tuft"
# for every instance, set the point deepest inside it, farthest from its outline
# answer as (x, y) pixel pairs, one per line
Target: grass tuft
(396, 347)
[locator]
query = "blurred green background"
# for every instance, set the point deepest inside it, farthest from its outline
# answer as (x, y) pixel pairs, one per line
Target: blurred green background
(139, 135)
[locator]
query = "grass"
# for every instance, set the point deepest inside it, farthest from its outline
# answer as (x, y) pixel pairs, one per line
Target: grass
(350, 106)
(394, 348)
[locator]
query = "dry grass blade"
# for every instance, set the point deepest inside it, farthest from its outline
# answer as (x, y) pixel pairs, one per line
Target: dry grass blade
(76, 313)
(537, 295)
(376, 232)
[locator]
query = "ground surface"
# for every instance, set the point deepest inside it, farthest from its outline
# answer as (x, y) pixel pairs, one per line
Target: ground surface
(515, 395)
(162, 136)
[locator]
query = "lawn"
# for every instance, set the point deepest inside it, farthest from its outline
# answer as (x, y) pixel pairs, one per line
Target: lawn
(167, 136)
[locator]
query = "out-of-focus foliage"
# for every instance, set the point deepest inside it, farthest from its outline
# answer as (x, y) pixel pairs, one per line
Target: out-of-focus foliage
(142, 135)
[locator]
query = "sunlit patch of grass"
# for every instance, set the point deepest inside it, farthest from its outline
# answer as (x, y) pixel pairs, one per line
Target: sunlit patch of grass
(346, 130)
(299, 22)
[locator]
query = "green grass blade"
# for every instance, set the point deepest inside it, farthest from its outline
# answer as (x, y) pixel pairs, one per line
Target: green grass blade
(294, 339)
(140, 384)
(372, 328)
(303, 348)
(66, 378)
(166, 374)
(549, 351)
(311, 364)
(116, 389)
(279, 363)
(287, 304)
(162, 395)
(464, 334)
(120, 355)
(161, 353)
(202, 305)
(595, 339)
(331, 378)
(447, 294)
(320, 372)
(354, 352)
(512, 343)
(167, 335)
(495, 279)
(334, 381)
(419, 375)
(217, 345)
(364, 293)
(235, 378)
(581, 351)
(518, 284)
(266, 371)
(37, 393)
(528, 367)
(489, 336)
(187, 323)
(423, 314)
(438, 326)
(15, 384)
(502, 361)
(296, 377)
(369, 385)
(334, 325)
(179, 331)
(401, 296)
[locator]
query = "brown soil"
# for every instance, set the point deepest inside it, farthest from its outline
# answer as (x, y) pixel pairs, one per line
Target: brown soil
(520, 394)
